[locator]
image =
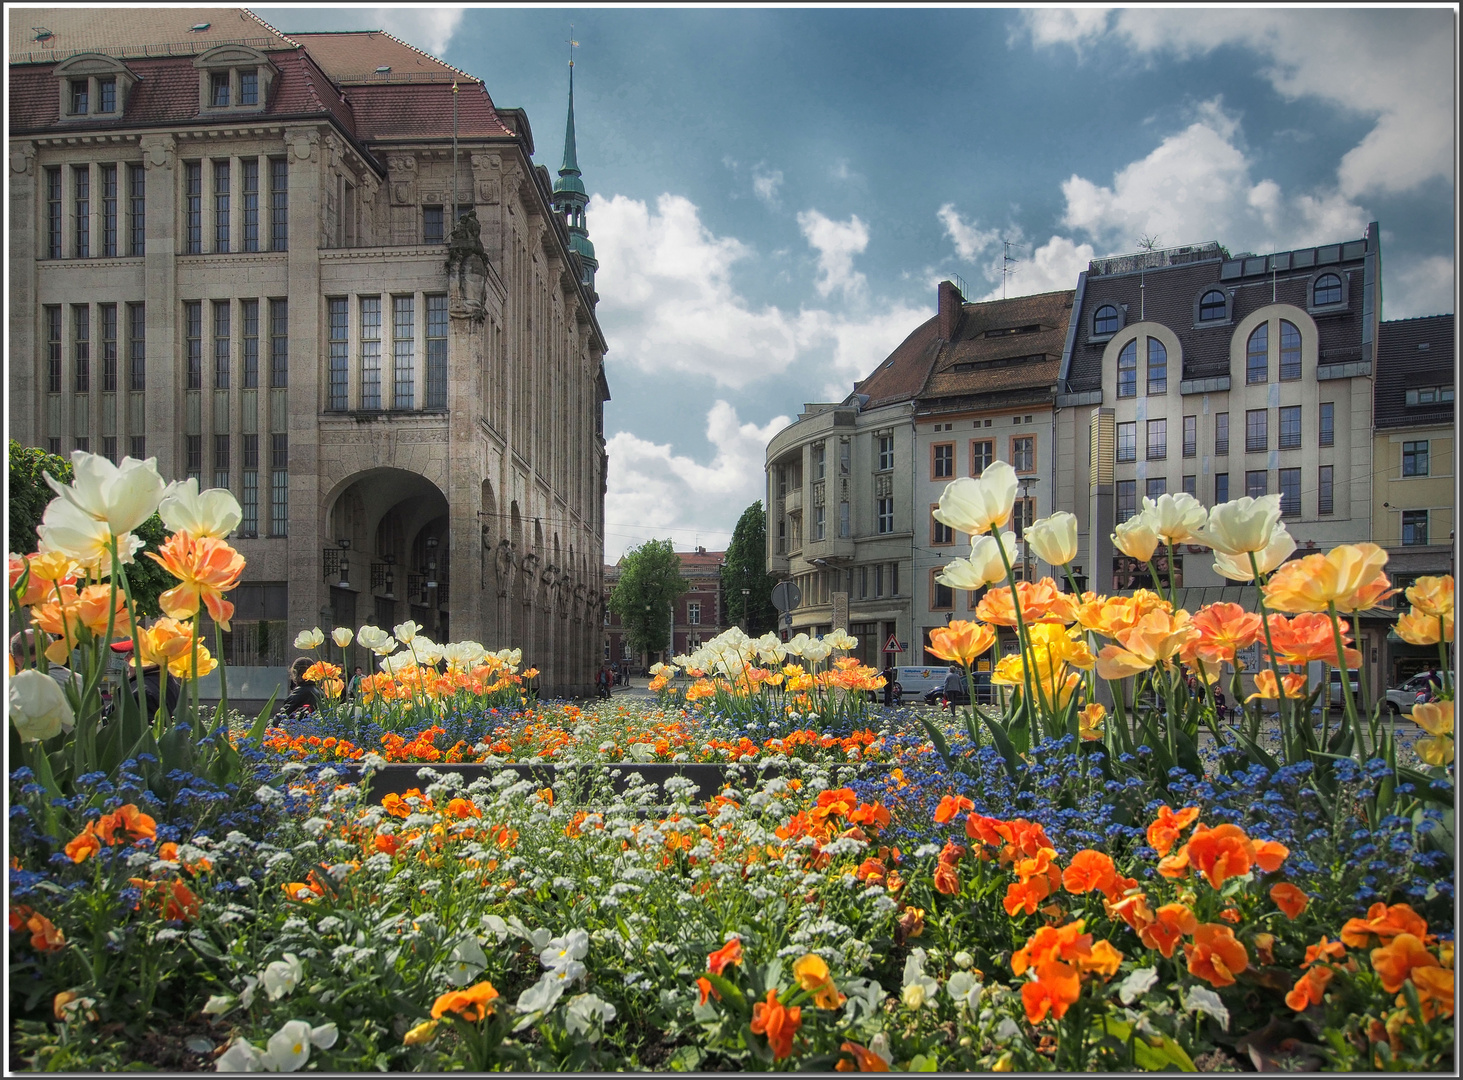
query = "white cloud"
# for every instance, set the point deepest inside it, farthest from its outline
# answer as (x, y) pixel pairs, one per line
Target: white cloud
(1050, 267)
(1422, 286)
(766, 183)
(836, 242)
(428, 28)
(668, 494)
(969, 240)
(858, 346)
(1197, 185)
(1395, 65)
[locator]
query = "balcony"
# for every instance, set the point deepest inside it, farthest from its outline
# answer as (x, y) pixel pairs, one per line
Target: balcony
(793, 502)
(832, 548)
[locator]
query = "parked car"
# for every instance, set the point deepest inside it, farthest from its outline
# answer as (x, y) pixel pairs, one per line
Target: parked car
(1334, 695)
(937, 696)
(915, 682)
(1401, 699)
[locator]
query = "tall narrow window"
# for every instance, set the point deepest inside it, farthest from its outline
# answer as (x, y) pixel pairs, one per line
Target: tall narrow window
(1257, 483)
(1221, 434)
(820, 461)
(249, 503)
(137, 447)
(370, 352)
(1191, 436)
(820, 520)
(193, 343)
(338, 357)
(192, 207)
(137, 210)
(136, 347)
(1414, 458)
(107, 95)
(884, 515)
(221, 206)
(83, 443)
(1023, 453)
(1326, 490)
(942, 461)
(1257, 430)
(1157, 439)
(81, 186)
(403, 332)
(1128, 370)
(1191, 486)
(80, 97)
(107, 317)
(1125, 494)
(982, 453)
(1289, 351)
(53, 350)
(1414, 527)
(1127, 442)
(279, 343)
(221, 334)
(1157, 368)
(432, 225)
(436, 352)
(53, 212)
(886, 452)
(109, 210)
(249, 332)
(1257, 355)
(221, 461)
(940, 533)
(1290, 493)
(279, 205)
(249, 181)
(81, 321)
(1289, 427)
(248, 88)
(1155, 486)
(193, 456)
(279, 484)
(1221, 488)
(218, 86)
(1328, 423)
(109, 448)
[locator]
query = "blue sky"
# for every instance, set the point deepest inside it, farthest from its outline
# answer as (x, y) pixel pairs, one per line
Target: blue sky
(776, 192)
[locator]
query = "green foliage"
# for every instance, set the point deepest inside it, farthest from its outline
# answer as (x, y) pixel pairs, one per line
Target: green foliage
(29, 497)
(650, 584)
(746, 568)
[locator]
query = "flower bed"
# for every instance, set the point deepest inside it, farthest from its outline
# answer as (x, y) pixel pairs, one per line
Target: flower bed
(772, 875)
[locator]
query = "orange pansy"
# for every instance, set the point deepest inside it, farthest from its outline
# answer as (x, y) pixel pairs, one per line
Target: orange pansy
(1057, 987)
(1170, 924)
(1395, 962)
(1289, 899)
(1164, 832)
(1215, 956)
(779, 1023)
(730, 953)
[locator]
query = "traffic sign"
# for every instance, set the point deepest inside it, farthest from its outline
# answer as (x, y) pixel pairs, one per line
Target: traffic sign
(893, 644)
(786, 595)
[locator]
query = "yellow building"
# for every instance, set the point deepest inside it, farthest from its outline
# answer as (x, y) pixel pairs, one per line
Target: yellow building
(1414, 486)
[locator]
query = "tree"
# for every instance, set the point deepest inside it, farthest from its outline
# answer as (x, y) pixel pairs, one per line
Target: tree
(746, 568)
(29, 497)
(650, 584)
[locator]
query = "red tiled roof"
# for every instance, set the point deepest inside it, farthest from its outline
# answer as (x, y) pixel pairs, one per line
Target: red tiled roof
(352, 57)
(125, 33)
(424, 112)
(900, 377)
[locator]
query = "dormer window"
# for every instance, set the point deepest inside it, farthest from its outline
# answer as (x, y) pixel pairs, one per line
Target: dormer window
(1212, 306)
(93, 85)
(218, 90)
(233, 78)
(248, 88)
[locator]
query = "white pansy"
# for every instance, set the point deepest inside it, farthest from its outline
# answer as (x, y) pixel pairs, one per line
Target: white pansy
(542, 995)
(241, 1056)
(281, 976)
(1200, 999)
(324, 1036)
(918, 988)
(466, 962)
(214, 512)
(1137, 984)
(310, 639)
(964, 989)
(219, 1004)
(562, 950)
(588, 1015)
(38, 706)
(288, 1048)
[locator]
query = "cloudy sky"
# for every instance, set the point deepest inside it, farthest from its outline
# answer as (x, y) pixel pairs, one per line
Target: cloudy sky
(775, 193)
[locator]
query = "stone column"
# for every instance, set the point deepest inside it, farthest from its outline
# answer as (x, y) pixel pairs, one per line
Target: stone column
(27, 367)
(163, 401)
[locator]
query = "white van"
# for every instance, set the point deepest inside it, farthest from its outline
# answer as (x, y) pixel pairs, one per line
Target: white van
(915, 682)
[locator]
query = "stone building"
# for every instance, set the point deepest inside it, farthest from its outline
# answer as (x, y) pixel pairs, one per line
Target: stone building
(1414, 456)
(1189, 369)
(321, 270)
(852, 485)
(696, 619)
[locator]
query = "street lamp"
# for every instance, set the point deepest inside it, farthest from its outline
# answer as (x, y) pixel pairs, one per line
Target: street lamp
(746, 614)
(344, 543)
(1026, 483)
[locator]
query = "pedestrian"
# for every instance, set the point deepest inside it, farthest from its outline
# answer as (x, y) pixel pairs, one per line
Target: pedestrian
(355, 686)
(25, 651)
(953, 685)
(1219, 702)
(603, 681)
(889, 685)
(152, 677)
(303, 698)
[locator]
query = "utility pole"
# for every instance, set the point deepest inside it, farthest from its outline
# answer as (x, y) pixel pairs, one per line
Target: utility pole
(1006, 263)
(1146, 244)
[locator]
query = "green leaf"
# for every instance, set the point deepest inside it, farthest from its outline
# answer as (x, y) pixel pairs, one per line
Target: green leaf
(938, 738)
(729, 992)
(1153, 1054)
(923, 1063)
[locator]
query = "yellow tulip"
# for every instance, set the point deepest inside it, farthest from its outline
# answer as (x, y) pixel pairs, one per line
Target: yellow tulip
(1435, 718)
(1419, 628)
(1349, 576)
(1433, 596)
(1437, 751)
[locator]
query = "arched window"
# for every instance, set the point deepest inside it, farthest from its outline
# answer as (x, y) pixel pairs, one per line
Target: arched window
(1106, 320)
(1157, 368)
(1212, 306)
(1128, 370)
(1327, 291)
(1257, 355)
(1289, 351)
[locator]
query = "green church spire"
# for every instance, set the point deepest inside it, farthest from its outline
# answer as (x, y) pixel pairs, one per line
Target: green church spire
(570, 197)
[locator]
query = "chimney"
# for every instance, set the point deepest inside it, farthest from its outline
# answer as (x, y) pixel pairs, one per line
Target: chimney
(950, 302)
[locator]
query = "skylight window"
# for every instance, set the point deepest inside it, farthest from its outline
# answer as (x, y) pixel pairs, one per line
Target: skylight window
(199, 27)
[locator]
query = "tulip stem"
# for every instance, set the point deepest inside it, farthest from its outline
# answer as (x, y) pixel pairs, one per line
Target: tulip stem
(1351, 714)
(1033, 700)
(1446, 668)
(1213, 704)
(1282, 703)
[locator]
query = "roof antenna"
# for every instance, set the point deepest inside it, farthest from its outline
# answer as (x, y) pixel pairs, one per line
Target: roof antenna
(1145, 243)
(1006, 263)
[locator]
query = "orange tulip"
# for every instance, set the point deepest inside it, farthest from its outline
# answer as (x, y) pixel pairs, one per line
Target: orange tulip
(1110, 616)
(777, 1022)
(730, 953)
(1057, 987)
(1395, 962)
(1223, 630)
(1289, 899)
(1155, 640)
(1310, 636)
(1041, 601)
(961, 641)
(1294, 686)
(1215, 955)
(1348, 576)
(1170, 924)
(1164, 832)
(206, 568)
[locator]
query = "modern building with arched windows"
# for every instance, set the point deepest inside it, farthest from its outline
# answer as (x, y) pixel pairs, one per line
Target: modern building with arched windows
(1191, 369)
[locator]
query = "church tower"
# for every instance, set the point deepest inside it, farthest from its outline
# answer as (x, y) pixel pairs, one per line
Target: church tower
(570, 198)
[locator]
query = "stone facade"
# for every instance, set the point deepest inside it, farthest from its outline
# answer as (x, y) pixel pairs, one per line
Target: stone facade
(250, 281)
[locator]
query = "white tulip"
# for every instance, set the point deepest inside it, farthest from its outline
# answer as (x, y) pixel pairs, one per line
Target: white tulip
(1176, 518)
(377, 640)
(38, 706)
(1054, 539)
(124, 496)
(406, 631)
(309, 639)
(975, 505)
(341, 635)
(68, 529)
(1242, 525)
(1237, 567)
(214, 512)
(1136, 538)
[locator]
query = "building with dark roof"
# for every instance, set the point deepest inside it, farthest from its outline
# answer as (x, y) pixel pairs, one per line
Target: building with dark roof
(852, 485)
(696, 618)
(1414, 455)
(321, 270)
